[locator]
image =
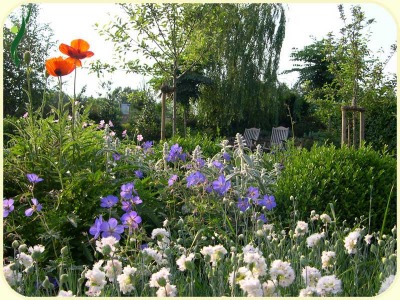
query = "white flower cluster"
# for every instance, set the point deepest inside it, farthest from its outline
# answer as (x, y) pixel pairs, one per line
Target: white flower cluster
(125, 279)
(63, 293)
(350, 241)
(216, 253)
(162, 237)
(282, 272)
(96, 280)
(13, 277)
(184, 261)
(107, 245)
(328, 259)
(161, 281)
(325, 286)
(313, 239)
(301, 229)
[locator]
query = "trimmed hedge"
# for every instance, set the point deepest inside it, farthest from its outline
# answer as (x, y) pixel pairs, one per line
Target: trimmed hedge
(346, 177)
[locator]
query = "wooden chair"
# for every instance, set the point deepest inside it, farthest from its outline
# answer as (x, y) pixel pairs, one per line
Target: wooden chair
(251, 136)
(279, 137)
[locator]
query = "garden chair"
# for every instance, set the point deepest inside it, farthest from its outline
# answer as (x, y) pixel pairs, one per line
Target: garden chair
(279, 137)
(251, 136)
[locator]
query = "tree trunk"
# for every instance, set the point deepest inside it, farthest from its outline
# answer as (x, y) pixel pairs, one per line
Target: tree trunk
(174, 101)
(163, 96)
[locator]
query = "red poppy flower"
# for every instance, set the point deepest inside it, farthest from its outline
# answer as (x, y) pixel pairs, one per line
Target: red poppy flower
(59, 66)
(78, 50)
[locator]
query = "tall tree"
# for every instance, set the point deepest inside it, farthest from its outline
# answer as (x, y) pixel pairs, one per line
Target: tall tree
(165, 34)
(38, 41)
(243, 66)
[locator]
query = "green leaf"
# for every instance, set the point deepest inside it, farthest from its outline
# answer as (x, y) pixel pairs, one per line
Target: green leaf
(18, 38)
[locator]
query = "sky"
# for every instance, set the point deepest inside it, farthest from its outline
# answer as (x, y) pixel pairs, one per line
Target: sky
(304, 21)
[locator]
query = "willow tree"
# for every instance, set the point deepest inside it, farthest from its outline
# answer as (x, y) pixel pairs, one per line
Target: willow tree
(243, 67)
(165, 35)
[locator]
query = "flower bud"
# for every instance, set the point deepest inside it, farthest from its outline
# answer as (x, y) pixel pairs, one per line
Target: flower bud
(27, 57)
(47, 284)
(381, 243)
(30, 270)
(106, 250)
(241, 236)
(23, 248)
(63, 278)
(15, 244)
(64, 251)
(181, 222)
(303, 260)
(162, 281)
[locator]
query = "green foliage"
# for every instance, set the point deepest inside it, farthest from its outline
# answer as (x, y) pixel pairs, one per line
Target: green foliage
(347, 177)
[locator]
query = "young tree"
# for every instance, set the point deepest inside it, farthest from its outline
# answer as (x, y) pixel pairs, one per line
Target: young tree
(166, 35)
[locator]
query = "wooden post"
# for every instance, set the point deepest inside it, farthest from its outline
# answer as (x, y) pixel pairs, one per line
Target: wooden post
(362, 121)
(344, 123)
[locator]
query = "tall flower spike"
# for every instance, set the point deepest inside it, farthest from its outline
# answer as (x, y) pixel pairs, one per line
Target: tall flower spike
(77, 51)
(59, 66)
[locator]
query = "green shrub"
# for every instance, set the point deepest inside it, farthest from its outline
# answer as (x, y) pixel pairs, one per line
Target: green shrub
(346, 177)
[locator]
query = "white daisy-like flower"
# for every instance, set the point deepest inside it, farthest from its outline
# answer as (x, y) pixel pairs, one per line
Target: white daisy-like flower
(96, 281)
(313, 239)
(25, 259)
(13, 278)
(113, 268)
(309, 291)
(329, 285)
(367, 238)
(311, 276)
(183, 261)
(160, 278)
(301, 228)
(350, 241)
(167, 291)
(327, 259)
(107, 245)
(159, 233)
(269, 289)
(125, 280)
(326, 219)
(282, 272)
(251, 286)
(36, 249)
(62, 293)
(386, 283)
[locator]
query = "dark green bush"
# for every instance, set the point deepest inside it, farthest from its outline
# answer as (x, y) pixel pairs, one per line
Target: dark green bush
(346, 177)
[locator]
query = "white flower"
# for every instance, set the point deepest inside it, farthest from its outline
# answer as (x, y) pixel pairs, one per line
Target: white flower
(327, 259)
(13, 277)
(159, 232)
(368, 238)
(240, 274)
(105, 244)
(282, 272)
(62, 293)
(309, 291)
(250, 249)
(113, 269)
(325, 218)
(124, 280)
(329, 285)
(301, 228)
(313, 239)
(256, 263)
(311, 276)
(183, 260)
(36, 249)
(25, 259)
(269, 288)
(350, 241)
(251, 286)
(154, 254)
(167, 291)
(215, 252)
(96, 281)
(158, 279)
(165, 223)
(386, 283)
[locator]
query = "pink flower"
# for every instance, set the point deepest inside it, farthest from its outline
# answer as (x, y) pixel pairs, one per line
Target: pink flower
(110, 123)
(25, 115)
(140, 137)
(124, 133)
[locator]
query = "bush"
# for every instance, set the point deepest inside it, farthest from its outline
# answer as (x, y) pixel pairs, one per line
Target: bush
(346, 177)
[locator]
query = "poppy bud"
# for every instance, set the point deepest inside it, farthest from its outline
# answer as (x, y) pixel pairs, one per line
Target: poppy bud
(27, 57)
(64, 251)
(22, 248)
(63, 278)
(15, 244)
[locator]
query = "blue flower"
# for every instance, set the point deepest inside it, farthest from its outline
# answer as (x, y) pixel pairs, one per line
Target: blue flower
(200, 163)
(136, 200)
(8, 206)
(147, 147)
(195, 179)
(243, 204)
(96, 228)
(221, 185)
(126, 205)
(269, 202)
(127, 190)
(174, 153)
(33, 178)
(218, 164)
(262, 218)
(226, 156)
(139, 174)
(253, 193)
(35, 207)
(109, 201)
(172, 179)
(111, 228)
(116, 156)
(131, 220)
